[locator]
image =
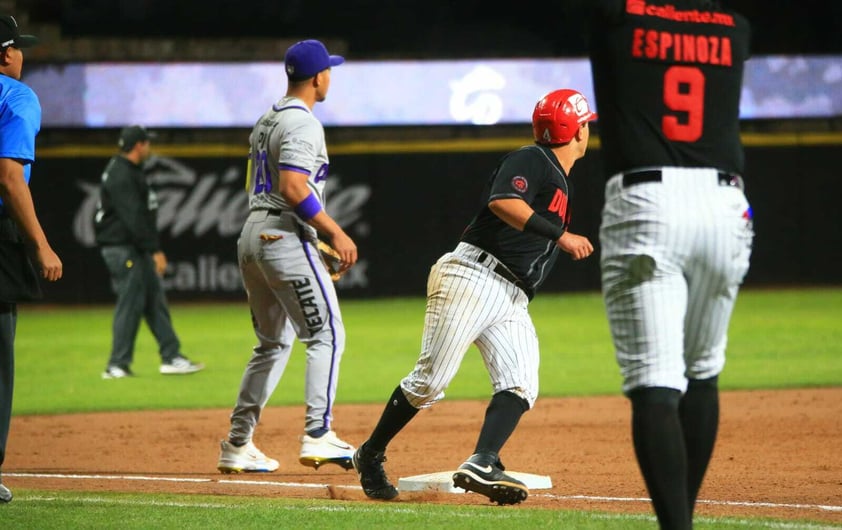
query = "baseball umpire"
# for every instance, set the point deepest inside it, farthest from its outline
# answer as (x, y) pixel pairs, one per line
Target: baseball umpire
(478, 294)
(20, 230)
(676, 228)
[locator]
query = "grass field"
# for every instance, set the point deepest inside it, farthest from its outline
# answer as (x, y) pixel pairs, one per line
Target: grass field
(782, 338)
(790, 338)
(36, 509)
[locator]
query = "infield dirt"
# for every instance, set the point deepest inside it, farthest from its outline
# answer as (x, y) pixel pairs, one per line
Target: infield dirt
(779, 454)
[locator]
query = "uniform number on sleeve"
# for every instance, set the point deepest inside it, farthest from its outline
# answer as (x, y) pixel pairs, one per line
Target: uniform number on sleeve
(684, 93)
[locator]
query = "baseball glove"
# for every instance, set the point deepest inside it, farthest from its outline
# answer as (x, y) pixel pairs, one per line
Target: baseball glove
(331, 260)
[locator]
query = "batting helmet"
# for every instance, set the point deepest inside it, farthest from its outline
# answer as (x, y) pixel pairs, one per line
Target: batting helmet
(558, 115)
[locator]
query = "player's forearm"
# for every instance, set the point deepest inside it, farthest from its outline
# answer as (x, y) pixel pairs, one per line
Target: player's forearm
(517, 214)
(341, 242)
(513, 212)
(325, 224)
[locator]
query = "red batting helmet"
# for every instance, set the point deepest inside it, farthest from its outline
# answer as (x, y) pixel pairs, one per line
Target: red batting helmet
(558, 115)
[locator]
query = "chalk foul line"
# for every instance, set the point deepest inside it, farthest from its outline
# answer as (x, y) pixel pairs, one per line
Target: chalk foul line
(246, 482)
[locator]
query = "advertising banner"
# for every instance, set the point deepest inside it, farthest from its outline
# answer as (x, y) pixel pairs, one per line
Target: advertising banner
(404, 210)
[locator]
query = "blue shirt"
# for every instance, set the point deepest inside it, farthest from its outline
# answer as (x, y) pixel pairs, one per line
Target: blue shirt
(20, 121)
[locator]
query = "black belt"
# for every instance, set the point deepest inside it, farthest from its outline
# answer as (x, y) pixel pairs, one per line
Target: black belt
(503, 271)
(654, 175)
(270, 211)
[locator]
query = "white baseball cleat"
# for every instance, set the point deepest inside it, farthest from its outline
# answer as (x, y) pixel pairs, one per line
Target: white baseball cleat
(5, 494)
(327, 449)
(180, 365)
(245, 459)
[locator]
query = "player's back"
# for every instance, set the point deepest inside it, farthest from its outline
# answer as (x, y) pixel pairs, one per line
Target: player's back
(287, 136)
(667, 78)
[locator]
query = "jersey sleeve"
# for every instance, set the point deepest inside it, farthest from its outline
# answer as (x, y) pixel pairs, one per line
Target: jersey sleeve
(21, 121)
(519, 176)
(299, 147)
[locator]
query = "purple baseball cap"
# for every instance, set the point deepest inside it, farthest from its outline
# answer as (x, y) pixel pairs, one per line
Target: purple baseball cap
(307, 58)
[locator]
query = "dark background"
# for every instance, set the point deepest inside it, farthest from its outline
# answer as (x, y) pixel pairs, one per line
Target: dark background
(412, 28)
(793, 185)
(419, 205)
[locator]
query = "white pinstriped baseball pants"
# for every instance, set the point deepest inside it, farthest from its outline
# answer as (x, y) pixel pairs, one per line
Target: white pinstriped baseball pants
(468, 303)
(673, 255)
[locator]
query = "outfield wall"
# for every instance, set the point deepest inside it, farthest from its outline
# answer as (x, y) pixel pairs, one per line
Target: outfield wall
(406, 202)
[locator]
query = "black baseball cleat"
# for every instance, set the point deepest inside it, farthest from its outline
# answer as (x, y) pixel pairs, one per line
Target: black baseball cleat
(369, 466)
(483, 473)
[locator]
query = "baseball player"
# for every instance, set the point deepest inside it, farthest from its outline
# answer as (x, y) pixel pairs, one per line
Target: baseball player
(20, 121)
(676, 227)
(289, 289)
(478, 294)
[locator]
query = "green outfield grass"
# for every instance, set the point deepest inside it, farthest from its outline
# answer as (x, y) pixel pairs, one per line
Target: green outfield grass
(781, 338)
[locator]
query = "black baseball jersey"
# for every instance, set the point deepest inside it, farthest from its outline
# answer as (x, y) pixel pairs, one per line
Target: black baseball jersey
(531, 173)
(127, 211)
(667, 77)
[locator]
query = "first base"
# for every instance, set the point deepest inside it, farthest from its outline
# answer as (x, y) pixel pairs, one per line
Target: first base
(443, 481)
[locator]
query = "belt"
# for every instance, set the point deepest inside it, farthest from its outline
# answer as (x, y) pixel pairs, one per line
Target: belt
(270, 211)
(503, 271)
(654, 175)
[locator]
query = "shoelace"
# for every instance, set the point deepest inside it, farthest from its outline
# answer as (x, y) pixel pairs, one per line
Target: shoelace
(375, 465)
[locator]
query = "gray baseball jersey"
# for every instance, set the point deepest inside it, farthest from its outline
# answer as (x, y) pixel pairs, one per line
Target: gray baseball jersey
(290, 292)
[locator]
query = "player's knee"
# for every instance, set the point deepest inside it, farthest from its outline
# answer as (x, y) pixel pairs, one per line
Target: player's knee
(655, 395)
(703, 384)
(421, 396)
(511, 399)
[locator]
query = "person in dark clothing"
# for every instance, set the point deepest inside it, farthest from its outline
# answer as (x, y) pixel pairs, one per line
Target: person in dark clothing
(126, 232)
(677, 230)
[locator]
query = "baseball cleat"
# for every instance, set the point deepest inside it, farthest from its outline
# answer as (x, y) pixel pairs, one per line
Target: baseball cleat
(326, 449)
(244, 459)
(369, 466)
(180, 365)
(117, 372)
(5, 494)
(483, 473)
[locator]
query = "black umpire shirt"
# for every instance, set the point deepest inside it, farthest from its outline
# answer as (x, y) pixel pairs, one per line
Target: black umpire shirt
(531, 173)
(128, 207)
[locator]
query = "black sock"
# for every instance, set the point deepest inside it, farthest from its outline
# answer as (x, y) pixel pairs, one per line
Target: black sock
(397, 413)
(699, 413)
(501, 418)
(659, 446)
